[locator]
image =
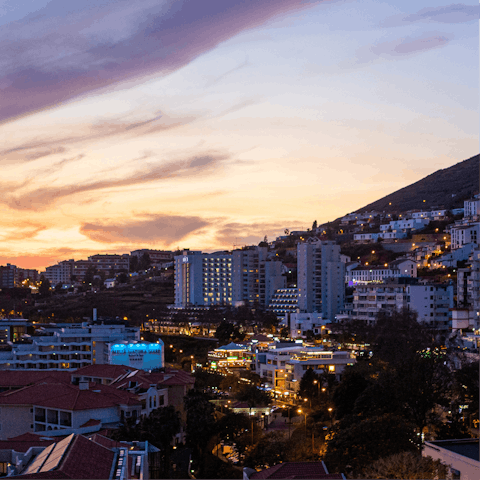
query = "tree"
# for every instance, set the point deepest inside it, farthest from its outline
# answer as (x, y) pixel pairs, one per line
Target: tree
(134, 263)
(353, 384)
(231, 425)
(89, 274)
(123, 278)
(44, 287)
(399, 336)
(59, 288)
(270, 450)
(307, 387)
(253, 396)
(356, 444)
(159, 428)
(145, 262)
(406, 465)
(228, 332)
(200, 420)
(314, 225)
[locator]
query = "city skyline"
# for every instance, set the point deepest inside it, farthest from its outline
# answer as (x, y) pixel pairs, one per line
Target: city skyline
(168, 124)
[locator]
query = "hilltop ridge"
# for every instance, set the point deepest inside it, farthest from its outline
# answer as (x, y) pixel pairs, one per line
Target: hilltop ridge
(446, 188)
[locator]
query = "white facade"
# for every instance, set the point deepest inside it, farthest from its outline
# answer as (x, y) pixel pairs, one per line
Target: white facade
(357, 274)
(320, 278)
(405, 225)
(319, 360)
(300, 323)
(471, 207)
(431, 214)
(432, 304)
(68, 348)
(462, 235)
(460, 455)
(60, 273)
(369, 300)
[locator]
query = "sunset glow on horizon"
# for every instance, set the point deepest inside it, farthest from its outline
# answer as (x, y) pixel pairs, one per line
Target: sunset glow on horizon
(208, 124)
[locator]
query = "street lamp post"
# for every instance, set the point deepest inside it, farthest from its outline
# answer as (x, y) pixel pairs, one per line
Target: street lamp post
(305, 413)
(330, 413)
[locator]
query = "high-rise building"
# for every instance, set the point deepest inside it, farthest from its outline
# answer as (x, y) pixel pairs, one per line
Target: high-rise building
(255, 277)
(320, 278)
(203, 279)
(7, 276)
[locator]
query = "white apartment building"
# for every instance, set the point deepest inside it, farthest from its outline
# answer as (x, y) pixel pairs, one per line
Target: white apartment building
(405, 225)
(70, 347)
(432, 302)
(320, 278)
(299, 324)
(255, 278)
(203, 279)
(462, 235)
(319, 360)
(471, 207)
(436, 214)
(357, 274)
(373, 237)
(369, 300)
(271, 363)
(60, 273)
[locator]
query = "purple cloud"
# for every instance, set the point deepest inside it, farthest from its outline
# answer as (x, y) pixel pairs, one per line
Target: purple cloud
(402, 47)
(455, 13)
(408, 45)
(70, 49)
(147, 230)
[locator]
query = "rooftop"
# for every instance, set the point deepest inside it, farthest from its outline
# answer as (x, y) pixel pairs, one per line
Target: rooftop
(467, 447)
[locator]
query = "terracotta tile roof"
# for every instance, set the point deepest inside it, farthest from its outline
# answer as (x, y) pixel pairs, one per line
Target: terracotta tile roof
(91, 423)
(102, 371)
(68, 397)
(145, 379)
(292, 470)
(105, 441)
(23, 442)
(87, 459)
(84, 459)
(19, 378)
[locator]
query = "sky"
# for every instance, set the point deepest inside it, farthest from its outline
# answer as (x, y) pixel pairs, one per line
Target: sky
(208, 124)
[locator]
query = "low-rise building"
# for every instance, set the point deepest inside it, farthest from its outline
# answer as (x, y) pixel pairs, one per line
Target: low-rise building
(229, 358)
(69, 347)
(319, 360)
(462, 456)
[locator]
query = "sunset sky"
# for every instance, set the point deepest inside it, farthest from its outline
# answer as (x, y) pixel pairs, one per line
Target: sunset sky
(207, 123)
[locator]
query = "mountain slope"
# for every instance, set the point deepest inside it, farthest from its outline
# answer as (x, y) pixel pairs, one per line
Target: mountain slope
(461, 180)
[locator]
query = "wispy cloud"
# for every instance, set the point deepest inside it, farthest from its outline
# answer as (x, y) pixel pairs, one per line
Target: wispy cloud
(454, 13)
(148, 229)
(410, 45)
(42, 198)
(25, 230)
(39, 148)
(61, 53)
(398, 48)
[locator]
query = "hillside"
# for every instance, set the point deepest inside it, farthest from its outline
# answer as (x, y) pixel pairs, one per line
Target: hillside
(460, 180)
